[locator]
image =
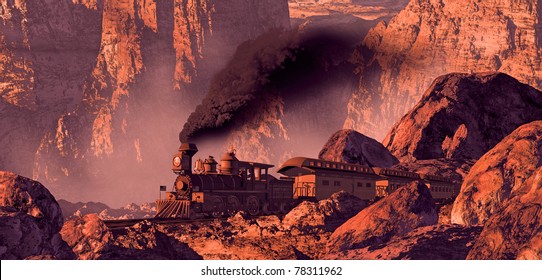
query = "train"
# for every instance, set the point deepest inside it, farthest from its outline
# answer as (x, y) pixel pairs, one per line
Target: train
(218, 190)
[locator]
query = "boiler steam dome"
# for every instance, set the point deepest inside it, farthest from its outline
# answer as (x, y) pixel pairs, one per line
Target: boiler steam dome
(209, 165)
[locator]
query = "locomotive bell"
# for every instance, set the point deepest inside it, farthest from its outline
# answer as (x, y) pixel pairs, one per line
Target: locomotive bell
(229, 164)
(198, 168)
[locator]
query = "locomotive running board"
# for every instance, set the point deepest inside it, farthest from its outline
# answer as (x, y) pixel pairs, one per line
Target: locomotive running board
(173, 209)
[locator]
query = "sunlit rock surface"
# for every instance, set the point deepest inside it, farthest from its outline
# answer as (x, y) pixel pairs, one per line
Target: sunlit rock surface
(514, 231)
(349, 146)
(499, 176)
(398, 60)
(402, 211)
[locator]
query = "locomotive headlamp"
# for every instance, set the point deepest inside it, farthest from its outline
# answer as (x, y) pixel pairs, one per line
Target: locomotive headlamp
(180, 186)
(177, 161)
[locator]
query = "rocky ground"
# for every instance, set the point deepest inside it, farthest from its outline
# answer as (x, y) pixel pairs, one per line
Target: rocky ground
(407, 224)
(301, 234)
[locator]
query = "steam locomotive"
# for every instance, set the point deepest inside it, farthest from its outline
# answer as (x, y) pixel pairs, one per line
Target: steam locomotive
(241, 185)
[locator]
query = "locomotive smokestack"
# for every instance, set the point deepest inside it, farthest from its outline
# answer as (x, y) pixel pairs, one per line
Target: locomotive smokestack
(182, 161)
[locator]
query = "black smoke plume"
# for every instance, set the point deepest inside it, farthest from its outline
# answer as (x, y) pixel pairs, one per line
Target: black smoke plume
(277, 64)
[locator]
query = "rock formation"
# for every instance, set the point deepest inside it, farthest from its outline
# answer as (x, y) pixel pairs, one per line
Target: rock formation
(460, 117)
(155, 60)
(398, 60)
(532, 250)
(438, 242)
(349, 146)
(453, 169)
(400, 212)
(445, 213)
(30, 221)
(91, 240)
(295, 237)
(302, 9)
(47, 50)
(327, 214)
(148, 241)
(514, 231)
(245, 238)
(499, 175)
(88, 236)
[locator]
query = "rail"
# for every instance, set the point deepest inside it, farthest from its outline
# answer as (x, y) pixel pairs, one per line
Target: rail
(120, 224)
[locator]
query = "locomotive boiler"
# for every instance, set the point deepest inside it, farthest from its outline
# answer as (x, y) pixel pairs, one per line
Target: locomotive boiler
(216, 191)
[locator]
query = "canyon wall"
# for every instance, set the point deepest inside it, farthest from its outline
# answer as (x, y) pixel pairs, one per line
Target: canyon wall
(100, 88)
(47, 49)
(428, 38)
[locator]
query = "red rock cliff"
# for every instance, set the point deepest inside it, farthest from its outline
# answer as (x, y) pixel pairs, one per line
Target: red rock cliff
(428, 38)
(155, 58)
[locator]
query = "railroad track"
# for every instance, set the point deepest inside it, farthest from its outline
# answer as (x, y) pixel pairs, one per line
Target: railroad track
(120, 224)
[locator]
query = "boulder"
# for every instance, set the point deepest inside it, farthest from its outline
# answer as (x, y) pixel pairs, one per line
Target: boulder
(461, 116)
(350, 146)
(498, 175)
(271, 221)
(437, 242)
(147, 241)
(92, 240)
(531, 250)
(241, 218)
(327, 214)
(515, 231)
(270, 225)
(400, 212)
(304, 216)
(88, 236)
(445, 213)
(244, 225)
(30, 220)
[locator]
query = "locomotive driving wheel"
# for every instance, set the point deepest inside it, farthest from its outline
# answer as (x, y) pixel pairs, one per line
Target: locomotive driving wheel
(197, 207)
(253, 205)
(265, 209)
(284, 208)
(218, 207)
(232, 205)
